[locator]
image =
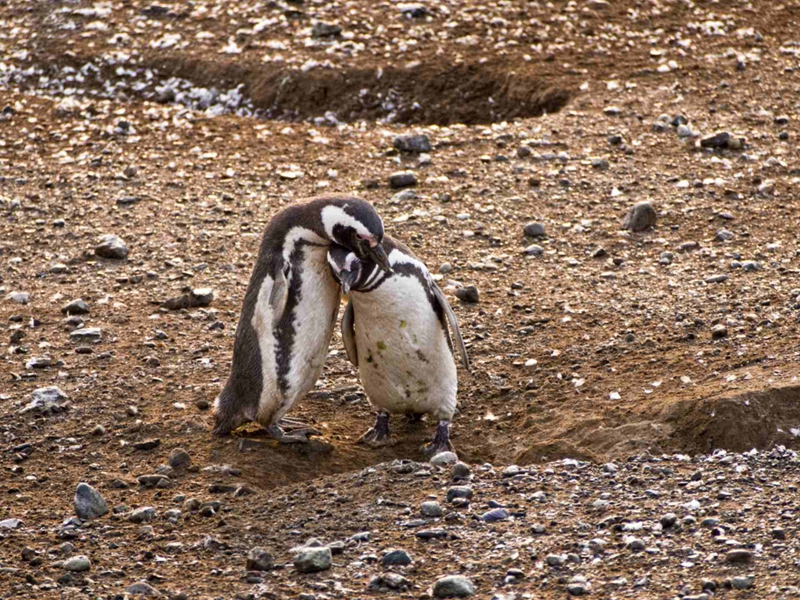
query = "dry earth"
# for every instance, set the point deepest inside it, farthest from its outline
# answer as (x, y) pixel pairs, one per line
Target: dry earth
(181, 128)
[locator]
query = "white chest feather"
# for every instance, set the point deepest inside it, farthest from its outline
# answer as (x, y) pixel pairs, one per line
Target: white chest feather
(405, 362)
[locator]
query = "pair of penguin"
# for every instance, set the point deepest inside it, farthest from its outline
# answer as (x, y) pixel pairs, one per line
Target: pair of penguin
(395, 327)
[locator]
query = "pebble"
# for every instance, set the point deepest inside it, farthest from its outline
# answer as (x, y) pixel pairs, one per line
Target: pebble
(743, 583)
(668, 520)
(723, 235)
(641, 216)
(412, 143)
(719, 331)
(76, 307)
(323, 30)
(402, 179)
(445, 268)
(259, 559)
(19, 297)
(460, 470)
(88, 334)
(10, 523)
(534, 230)
(431, 509)
(141, 515)
(142, 588)
(453, 586)
(179, 459)
(738, 556)
(444, 459)
(147, 444)
(394, 557)
(46, 400)
(77, 564)
(112, 247)
(534, 250)
(468, 294)
(89, 504)
(313, 560)
(497, 514)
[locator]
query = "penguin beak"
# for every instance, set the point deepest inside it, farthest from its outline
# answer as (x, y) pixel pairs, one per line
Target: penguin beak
(378, 255)
(348, 278)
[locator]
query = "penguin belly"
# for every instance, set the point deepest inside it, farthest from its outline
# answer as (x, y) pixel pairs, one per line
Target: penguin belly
(404, 360)
(293, 351)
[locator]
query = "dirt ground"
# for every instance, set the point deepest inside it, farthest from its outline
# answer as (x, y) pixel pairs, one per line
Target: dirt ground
(599, 344)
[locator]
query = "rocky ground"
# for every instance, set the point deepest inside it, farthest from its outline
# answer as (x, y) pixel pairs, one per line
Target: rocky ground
(616, 180)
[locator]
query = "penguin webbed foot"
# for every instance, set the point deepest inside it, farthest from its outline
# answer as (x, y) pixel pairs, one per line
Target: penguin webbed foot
(441, 441)
(298, 435)
(378, 435)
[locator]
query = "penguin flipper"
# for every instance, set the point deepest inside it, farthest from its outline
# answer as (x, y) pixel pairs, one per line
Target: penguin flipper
(451, 319)
(349, 333)
(279, 293)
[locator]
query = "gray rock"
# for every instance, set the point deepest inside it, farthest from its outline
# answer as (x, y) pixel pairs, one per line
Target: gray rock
(494, 515)
(402, 179)
(635, 544)
(112, 247)
(534, 230)
(413, 10)
(142, 588)
(10, 523)
(722, 139)
(76, 307)
(668, 520)
(445, 268)
(179, 459)
(719, 331)
(77, 564)
(460, 469)
(39, 362)
(313, 560)
(533, 250)
(641, 216)
(89, 504)
(717, 279)
(196, 298)
(459, 491)
(87, 334)
(141, 515)
(723, 235)
(468, 294)
(443, 459)
(412, 143)
(259, 559)
(431, 509)
(453, 586)
(398, 558)
(751, 265)
(19, 297)
(323, 30)
(555, 560)
(45, 400)
(738, 556)
(392, 581)
(743, 583)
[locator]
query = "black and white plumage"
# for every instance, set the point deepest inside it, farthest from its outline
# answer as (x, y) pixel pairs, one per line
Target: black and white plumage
(290, 309)
(395, 330)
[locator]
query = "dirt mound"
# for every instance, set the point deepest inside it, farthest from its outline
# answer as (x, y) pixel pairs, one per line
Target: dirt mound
(738, 423)
(432, 93)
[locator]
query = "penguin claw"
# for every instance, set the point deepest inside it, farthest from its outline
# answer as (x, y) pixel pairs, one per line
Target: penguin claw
(296, 436)
(441, 441)
(378, 435)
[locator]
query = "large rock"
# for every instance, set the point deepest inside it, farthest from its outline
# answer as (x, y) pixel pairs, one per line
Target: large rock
(89, 504)
(112, 247)
(77, 564)
(45, 400)
(259, 559)
(453, 586)
(641, 216)
(313, 560)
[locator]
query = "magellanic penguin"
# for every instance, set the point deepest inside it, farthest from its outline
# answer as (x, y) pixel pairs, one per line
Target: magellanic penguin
(290, 309)
(395, 330)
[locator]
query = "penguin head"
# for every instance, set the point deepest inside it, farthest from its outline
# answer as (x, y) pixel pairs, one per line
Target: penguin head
(346, 267)
(354, 225)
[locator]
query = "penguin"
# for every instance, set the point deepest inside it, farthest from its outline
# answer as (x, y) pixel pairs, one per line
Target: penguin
(289, 312)
(395, 331)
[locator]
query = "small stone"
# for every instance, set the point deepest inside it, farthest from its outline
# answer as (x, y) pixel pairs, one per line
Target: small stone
(717, 279)
(147, 444)
(45, 400)
(402, 179)
(444, 459)
(89, 504)
(392, 581)
(142, 588)
(19, 297)
(431, 509)
(453, 586)
(10, 523)
(398, 558)
(86, 334)
(495, 515)
(668, 520)
(743, 583)
(313, 560)
(141, 515)
(723, 235)
(76, 307)
(468, 294)
(459, 491)
(323, 30)
(412, 143)
(739, 556)
(460, 470)
(778, 534)
(259, 559)
(534, 250)
(534, 230)
(641, 216)
(555, 560)
(179, 459)
(719, 331)
(77, 564)
(635, 544)
(111, 247)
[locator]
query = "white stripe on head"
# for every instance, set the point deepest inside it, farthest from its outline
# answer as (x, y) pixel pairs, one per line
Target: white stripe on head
(333, 215)
(296, 234)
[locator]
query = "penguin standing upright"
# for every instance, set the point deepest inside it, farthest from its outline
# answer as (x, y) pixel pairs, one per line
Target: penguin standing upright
(290, 309)
(395, 330)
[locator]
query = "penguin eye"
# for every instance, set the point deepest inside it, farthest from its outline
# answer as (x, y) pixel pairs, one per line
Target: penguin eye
(364, 238)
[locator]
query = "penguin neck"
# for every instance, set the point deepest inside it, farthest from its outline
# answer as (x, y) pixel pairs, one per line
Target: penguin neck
(299, 234)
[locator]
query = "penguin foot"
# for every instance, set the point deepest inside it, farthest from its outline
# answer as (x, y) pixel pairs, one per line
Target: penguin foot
(441, 440)
(294, 436)
(378, 435)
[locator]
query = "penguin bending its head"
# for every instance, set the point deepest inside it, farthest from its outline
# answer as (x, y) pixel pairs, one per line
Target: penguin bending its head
(395, 330)
(289, 311)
